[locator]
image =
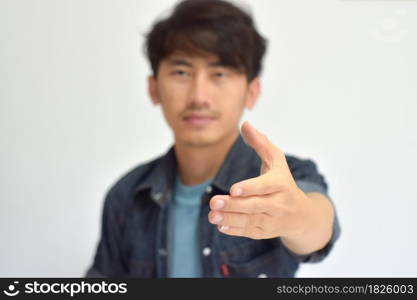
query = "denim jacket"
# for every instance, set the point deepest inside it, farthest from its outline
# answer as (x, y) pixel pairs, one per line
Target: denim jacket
(133, 239)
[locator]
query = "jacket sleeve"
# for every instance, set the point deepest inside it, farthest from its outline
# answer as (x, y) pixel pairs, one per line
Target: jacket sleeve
(308, 179)
(108, 260)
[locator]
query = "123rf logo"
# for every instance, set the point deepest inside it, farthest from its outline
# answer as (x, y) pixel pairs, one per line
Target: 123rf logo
(11, 289)
(71, 289)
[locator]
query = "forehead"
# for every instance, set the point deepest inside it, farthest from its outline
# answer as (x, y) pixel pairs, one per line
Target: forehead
(179, 57)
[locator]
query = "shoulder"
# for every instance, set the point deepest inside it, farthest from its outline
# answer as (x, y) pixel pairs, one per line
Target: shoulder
(306, 174)
(123, 189)
(300, 165)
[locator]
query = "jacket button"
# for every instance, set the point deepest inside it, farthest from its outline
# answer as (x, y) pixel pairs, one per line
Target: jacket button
(157, 196)
(262, 275)
(162, 252)
(206, 251)
(209, 189)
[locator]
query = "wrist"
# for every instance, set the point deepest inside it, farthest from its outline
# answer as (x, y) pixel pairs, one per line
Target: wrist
(315, 229)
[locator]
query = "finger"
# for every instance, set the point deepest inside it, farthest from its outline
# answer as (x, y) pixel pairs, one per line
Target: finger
(246, 205)
(267, 183)
(255, 233)
(268, 152)
(236, 219)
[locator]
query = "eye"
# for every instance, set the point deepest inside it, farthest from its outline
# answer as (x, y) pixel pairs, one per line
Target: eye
(179, 72)
(219, 74)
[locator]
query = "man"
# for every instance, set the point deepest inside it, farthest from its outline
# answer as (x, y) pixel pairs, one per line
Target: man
(218, 203)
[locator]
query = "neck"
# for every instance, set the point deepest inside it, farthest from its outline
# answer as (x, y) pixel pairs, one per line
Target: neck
(197, 164)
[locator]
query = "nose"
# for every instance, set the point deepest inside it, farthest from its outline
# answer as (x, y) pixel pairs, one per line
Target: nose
(200, 91)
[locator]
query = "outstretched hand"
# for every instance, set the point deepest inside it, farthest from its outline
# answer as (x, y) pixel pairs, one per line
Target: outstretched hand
(267, 206)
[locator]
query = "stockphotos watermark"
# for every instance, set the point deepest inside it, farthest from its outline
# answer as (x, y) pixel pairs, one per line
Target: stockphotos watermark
(71, 289)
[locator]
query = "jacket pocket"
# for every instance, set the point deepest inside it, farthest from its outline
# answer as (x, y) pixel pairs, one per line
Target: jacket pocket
(247, 263)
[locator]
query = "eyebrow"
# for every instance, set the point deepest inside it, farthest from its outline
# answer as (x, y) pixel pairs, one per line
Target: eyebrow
(184, 62)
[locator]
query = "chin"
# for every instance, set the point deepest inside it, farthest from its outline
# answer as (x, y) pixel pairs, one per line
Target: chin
(198, 139)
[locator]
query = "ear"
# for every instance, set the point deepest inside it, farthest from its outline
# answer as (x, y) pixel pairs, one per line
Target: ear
(254, 89)
(152, 90)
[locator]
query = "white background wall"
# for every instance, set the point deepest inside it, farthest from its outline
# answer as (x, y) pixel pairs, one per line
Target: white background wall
(339, 86)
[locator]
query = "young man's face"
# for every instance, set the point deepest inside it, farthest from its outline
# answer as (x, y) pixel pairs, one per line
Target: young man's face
(202, 100)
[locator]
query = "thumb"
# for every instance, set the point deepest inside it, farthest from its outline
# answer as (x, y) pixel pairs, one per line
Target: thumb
(267, 151)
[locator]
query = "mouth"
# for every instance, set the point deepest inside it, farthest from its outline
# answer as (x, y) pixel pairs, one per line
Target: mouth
(198, 120)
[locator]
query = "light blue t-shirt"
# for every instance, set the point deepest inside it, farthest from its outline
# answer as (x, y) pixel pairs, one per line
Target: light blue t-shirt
(184, 259)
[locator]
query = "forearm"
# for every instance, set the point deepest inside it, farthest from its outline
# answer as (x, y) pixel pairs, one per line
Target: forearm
(318, 228)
